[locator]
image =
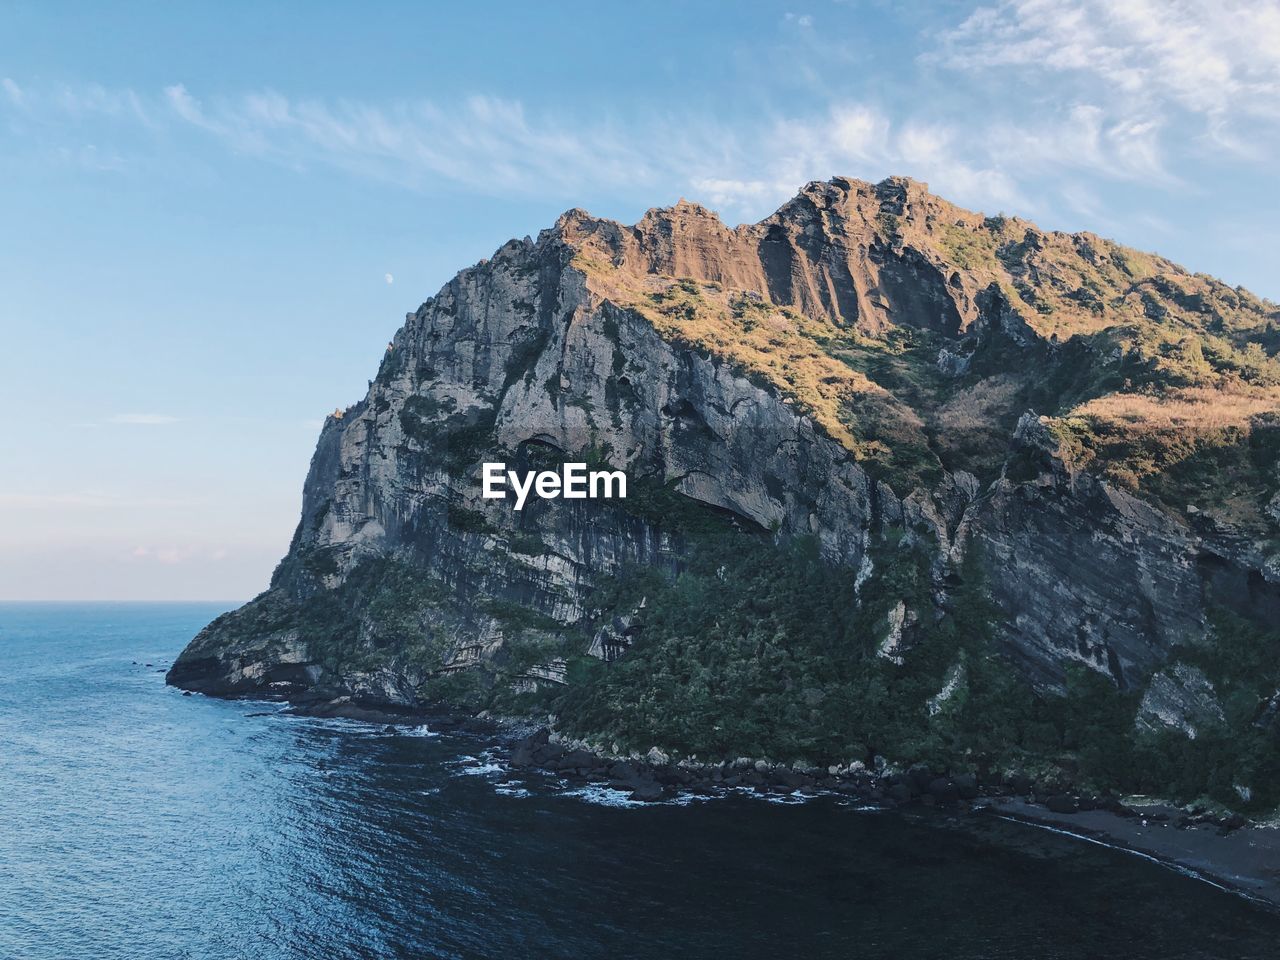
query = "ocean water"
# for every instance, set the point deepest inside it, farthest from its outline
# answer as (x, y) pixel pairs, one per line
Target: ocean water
(138, 823)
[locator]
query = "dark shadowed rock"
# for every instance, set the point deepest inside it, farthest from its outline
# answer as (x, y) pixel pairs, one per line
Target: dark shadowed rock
(1062, 803)
(900, 793)
(647, 792)
(943, 790)
(966, 786)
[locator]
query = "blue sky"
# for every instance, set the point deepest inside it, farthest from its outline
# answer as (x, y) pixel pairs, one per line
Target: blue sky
(216, 215)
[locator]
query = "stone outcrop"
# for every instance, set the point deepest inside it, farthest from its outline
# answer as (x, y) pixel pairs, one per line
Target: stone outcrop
(1180, 698)
(1084, 571)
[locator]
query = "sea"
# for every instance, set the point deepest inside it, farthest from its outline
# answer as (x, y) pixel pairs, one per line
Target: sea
(139, 823)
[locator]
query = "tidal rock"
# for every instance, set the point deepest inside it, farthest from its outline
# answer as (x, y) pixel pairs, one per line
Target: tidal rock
(647, 792)
(1180, 698)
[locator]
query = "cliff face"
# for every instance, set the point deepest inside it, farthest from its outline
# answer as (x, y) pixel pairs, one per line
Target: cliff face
(870, 370)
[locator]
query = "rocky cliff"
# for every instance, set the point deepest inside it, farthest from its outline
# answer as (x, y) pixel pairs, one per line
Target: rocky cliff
(915, 410)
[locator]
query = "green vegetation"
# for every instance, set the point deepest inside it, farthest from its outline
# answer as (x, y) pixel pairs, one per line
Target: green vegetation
(467, 521)
(447, 435)
(1216, 450)
(969, 249)
(756, 649)
(660, 505)
(525, 353)
(319, 562)
(749, 310)
(529, 544)
(1243, 663)
(388, 613)
(680, 301)
(384, 609)
(418, 416)
(517, 619)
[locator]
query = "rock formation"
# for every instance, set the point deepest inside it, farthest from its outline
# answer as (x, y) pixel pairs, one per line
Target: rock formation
(870, 369)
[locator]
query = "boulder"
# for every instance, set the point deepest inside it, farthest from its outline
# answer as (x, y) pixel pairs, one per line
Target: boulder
(648, 792)
(966, 786)
(1062, 803)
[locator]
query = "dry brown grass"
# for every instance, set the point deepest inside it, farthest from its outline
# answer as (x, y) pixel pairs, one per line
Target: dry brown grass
(779, 345)
(1198, 409)
(1189, 352)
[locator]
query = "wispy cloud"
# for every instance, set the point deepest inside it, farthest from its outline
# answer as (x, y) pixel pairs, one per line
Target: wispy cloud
(13, 92)
(1213, 57)
(497, 146)
(500, 147)
(142, 419)
(482, 141)
(987, 166)
(1084, 138)
(76, 100)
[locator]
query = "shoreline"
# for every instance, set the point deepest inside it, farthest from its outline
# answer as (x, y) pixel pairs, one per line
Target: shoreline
(1236, 855)
(1244, 861)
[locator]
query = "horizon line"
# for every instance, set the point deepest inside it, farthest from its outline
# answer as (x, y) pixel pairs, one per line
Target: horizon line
(10, 601)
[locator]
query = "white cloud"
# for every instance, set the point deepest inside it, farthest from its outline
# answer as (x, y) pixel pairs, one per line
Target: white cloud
(388, 278)
(142, 419)
(90, 157)
(722, 192)
(13, 92)
(171, 555)
(1083, 139)
(859, 140)
(858, 131)
(183, 104)
(1213, 57)
(96, 99)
